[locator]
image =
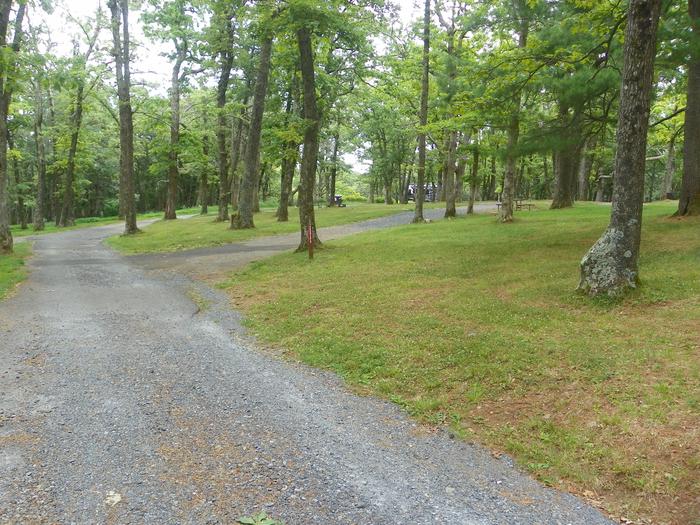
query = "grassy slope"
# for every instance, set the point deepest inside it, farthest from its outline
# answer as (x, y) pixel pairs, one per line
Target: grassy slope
(203, 231)
(475, 325)
(12, 269)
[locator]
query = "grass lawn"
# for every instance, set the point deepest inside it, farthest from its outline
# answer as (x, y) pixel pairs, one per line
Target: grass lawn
(198, 232)
(476, 326)
(12, 269)
(87, 222)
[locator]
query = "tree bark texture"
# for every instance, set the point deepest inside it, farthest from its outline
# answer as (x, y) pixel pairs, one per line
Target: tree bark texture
(566, 160)
(423, 116)
(40, 206)
(689, 202)
(6, 241)
(309, 160)
(473, 181)
(513, 130)
(611, 265)
(221, 88)
(120, 36)
(246, 202)
(173, 170)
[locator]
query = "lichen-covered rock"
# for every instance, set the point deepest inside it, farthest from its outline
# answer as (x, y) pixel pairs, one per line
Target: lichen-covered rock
(609, 267)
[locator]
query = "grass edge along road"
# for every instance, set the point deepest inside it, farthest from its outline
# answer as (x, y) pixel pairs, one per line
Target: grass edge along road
(91, 222)
(475, 325)
(12, 269)
(201, 232)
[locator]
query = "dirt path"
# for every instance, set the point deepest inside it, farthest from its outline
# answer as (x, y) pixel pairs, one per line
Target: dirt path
(121, 401)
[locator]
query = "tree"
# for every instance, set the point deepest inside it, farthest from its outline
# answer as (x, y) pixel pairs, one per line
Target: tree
(521, 14)
(78, 74)
(244, 218)
(611, 265)
(8, 70)
(689, 202)
(172, 21)
(120, 36)
(309, 159)
(423, 116)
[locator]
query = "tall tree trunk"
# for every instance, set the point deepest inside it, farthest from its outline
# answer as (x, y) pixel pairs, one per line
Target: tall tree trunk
(246, 202)
(236, 153)
(173, 170)
(309, 161)
(449, 185)
(289, 161)
(6, 241)
(610, 266)
(68, 210)
(221, 88)
(21, 210)
(203, 196)
(473, 181)
(513, 130)
(566, 160)
(423, 116)
(334, 169)
(40, 206)
(584, 172)
(120, 35)
(689, 202)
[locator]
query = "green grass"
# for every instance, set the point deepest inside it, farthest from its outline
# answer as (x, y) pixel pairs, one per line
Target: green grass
(198, 232)
(87, 222)
(475, 325)
(12, 270)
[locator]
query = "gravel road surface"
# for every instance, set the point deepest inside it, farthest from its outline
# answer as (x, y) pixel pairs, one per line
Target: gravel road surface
(123, 400)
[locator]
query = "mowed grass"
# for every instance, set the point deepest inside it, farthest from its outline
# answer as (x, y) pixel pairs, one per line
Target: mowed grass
(476, 326)
(88, 222)
(12, 270)
(199, 232)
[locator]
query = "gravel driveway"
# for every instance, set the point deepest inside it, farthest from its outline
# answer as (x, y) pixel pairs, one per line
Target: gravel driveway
(123, 401)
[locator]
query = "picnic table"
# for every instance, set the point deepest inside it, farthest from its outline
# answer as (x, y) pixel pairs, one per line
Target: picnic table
(520, 204)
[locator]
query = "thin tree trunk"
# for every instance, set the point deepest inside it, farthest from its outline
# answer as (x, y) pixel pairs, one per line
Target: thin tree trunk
(473, 181)
(221, 88)
(423, 116)
(449, 185)
(173, 171)
(508, 193)
(689, 202)
(126, 124)
(289, 161)
(39, 207)
(68, 210)
(6, 241)
(610, 267)
(334, 170)
(236, 154)
(309, 161)
(21, 211)
(244, 217)
(585, 165)
(203, 196)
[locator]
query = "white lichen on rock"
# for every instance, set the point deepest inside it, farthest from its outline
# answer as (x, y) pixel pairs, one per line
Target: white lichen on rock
(603, 271)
